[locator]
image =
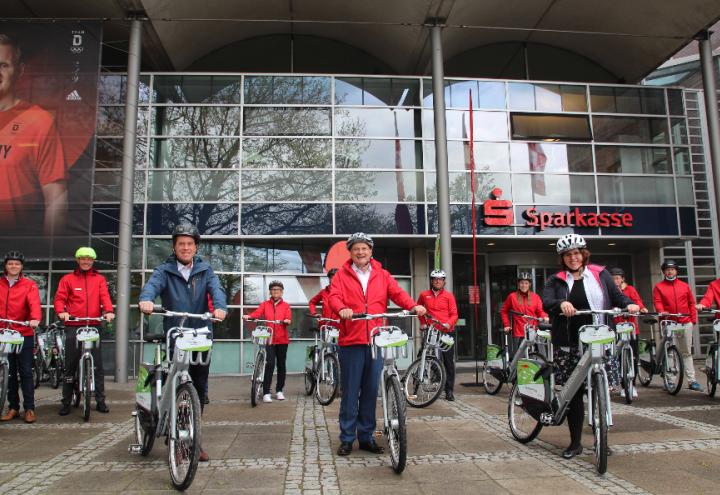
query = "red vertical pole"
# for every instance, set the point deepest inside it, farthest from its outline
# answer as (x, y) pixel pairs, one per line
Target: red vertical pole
(476, 289)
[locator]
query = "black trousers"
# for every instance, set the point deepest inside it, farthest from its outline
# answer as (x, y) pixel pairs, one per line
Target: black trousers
(277, 352)
(72, 356)
(576, 417)
(448, 360)
(199, 375)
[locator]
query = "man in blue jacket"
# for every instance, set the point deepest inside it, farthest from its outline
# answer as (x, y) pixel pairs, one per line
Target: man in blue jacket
(186, 283)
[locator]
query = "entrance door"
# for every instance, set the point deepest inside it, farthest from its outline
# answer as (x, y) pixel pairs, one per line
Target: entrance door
(472, 335)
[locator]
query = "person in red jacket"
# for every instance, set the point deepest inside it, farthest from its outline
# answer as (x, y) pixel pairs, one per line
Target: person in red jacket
(20, 302)
(712, 296)
(275, 309)
(82, 294)
(523, 301)
(323, 298)
(441, 305)
(361, 285)
(672, 295)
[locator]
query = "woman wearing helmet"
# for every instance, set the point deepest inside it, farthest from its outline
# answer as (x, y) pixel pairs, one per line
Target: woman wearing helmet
(578, 285)
(521, 302)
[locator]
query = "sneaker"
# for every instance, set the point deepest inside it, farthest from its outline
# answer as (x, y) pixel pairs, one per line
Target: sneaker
(622, 393)
(695, 386)
(634, 393)
(280, 396)
(267, 398)
(669, 386)
(64, 410)
(102, 407)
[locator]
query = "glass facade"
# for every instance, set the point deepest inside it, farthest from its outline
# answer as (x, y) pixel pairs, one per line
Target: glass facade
(305, 158)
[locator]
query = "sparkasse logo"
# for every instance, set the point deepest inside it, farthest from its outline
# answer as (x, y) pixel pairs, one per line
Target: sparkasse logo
(498, 212)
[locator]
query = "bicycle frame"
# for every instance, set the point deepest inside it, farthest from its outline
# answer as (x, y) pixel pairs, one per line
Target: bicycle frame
(328, 339)
(87, 347)
(389, 355)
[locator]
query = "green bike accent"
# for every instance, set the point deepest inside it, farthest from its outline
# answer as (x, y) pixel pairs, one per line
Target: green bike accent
(526, 371)
(198, 349)
(141, 379)
(493, 352)
(643, 347)
(309, 352)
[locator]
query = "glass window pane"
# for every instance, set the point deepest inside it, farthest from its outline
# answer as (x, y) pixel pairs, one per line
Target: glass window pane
(286, 219)
(550, 127)
(377, 153)
(109, 153)
(632, 160)
(195, 153)
(553, 189)
(277, 257)
(210, 219)
(286, 153)
(196, 121)
(106, 219)
(113, 89)
(378, 91)
(491, 95)
(574, 98)
(460, 186)
(683, 166)
(685, 191)
(547, 97)
(107, 185)
(675, 102)
(602, 99)
(653, 101)
(380, 218)
(378, 186)
(286, 185)
(198, 185)
(630, 130)
(197, 89)
(111, 121)
(679, 131)
(550, 157)
(457, 93)
(375, 122)
(286, 121)
(487, 126)
(636, 190)
(287, 90)
(253, 289)
(223, 256)
(627, 100)
(488, 156)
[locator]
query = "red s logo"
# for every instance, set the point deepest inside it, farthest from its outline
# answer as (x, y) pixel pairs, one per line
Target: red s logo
(498, 212)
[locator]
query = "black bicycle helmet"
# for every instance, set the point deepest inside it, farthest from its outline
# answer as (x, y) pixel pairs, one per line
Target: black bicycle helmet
(525, 276)
(185, 229)
(14, 255)
(617, 271)
(276, 283)
(668, 264)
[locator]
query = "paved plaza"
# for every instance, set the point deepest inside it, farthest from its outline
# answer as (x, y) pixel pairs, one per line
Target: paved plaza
(661, 444)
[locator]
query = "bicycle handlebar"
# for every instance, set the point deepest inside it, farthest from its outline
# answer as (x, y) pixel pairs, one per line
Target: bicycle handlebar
(666, 314)
(76, 318)
(167, 313)
(613, 312)
(368, 316)
(23, 323)
(528, 317)
(322, 318)
(258, 320)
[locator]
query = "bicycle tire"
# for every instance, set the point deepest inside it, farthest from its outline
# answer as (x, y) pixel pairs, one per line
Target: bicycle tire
(56, 374)
(626, 365)
(187, 414)
(430, 385)
(645, 372)
(711, 371)
(144, 437)
(256, 380)
(4, 379)
(600, 423)
(325, 394)
(396, 433)
(523, 434)
(673, 387)
(309, 381)
(37, 371)
(87, 385)
(491, 383)
(76, 392)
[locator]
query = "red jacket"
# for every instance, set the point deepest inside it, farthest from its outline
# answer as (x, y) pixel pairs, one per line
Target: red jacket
(21, 302)
(675, 297)
(630, 291)
(532, 306)
(712, 295)
(269, 310)
(346, 292)
(441, 306)
(323, 298)
(83, 295)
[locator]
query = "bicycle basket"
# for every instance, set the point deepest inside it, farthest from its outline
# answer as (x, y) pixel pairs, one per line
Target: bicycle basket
(716, 326)
(671, 327)
(191, 344)
(529, 386)
(446, 342)
(261, 335)
(87, 337)
(596, 334)
(330, 334)
(11, 341)
(493, 356)
(625, 329)
(391, 341)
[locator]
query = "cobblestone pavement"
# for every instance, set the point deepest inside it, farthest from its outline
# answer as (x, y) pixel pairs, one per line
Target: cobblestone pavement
(661, 444)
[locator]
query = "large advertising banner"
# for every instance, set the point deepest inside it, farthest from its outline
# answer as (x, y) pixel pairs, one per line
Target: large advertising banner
(48, 94)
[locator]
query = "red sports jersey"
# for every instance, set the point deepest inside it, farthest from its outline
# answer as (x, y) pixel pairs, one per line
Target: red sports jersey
(31, 156)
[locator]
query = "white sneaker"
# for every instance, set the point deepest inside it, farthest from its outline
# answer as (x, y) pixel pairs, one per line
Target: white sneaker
(622, 393)
(267, 398)
(280, 396)
(634, 393)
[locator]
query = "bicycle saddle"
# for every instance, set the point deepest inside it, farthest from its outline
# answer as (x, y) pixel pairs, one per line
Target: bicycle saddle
(650, 320)
(544, 326)
(154, 338)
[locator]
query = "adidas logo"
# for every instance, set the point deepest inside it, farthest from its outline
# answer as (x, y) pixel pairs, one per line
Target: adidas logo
(73, 96)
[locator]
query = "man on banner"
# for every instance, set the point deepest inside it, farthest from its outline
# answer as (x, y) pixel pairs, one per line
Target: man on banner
(33, 169)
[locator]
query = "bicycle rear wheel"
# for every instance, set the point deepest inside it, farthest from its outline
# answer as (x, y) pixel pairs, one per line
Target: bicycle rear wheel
(56, 374)
(37, 370)
(396, 432)
(257, 379)
(600, 423)
(86, 386)
(327, 387)
(4, 384)
(421, 391)
(711, 371)
(309, 381)
(626, 381)
(491, 382)
(674, 371)
(184, 449)
(522, 425)
(144, 433)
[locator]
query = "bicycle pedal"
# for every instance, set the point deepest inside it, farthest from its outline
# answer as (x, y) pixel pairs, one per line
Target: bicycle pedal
(412, 397)
(135, 448)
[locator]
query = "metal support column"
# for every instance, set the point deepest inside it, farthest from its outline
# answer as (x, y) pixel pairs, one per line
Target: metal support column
(441, 154)
(711, 111)
(126, 204)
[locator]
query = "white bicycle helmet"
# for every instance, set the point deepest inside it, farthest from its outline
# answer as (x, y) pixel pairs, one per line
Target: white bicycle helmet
(359, 237)
(438, 274)
(568, 242)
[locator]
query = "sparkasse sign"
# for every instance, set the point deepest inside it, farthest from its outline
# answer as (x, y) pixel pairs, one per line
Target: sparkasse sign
(499, 212)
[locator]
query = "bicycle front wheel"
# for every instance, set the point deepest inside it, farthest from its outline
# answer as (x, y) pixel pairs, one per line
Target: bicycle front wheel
(600, 422)
(674, 370)
(396, 431)
(421, 391)
(522, 425)
(711, 371)
(626, 379)
(4, 385)
(86, 386)
(184, 448)
(257, 379)
(328, 380)
(491, 380)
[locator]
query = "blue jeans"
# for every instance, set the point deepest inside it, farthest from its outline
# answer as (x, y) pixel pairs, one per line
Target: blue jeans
(24, 361)
(360, 377)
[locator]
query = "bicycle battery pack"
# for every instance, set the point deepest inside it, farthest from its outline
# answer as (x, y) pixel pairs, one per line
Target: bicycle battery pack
(533, 379)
